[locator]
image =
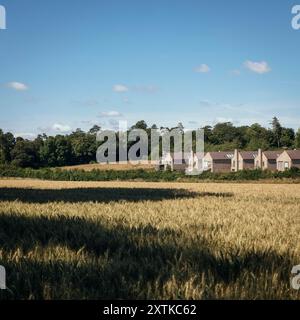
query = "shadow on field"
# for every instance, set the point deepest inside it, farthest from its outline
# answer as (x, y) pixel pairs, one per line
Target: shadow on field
(123, 262)
(100, 194)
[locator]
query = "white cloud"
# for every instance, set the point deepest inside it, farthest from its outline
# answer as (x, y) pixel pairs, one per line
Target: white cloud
(120, 88)
(203, 68)
(19, 86)
(61, 128)
(110, 114)
(25, 135)
(257, 67)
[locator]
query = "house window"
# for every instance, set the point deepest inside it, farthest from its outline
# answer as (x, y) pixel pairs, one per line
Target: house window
(286, 165)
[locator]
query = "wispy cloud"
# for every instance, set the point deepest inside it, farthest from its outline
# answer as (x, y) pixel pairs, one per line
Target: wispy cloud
(25, 135)
(120, 88)
(110, 114)
(61, 128)
(203, 68)
(193, 123)
(257, 67)
(18, 86)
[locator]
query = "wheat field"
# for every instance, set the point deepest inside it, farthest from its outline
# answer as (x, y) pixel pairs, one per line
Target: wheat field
(135, 240)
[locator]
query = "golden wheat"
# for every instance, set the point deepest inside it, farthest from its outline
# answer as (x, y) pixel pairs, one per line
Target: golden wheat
(66, 240)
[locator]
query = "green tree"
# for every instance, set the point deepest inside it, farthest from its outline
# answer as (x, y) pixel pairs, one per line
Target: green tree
(7, 142)
(257, 137)
(83, 147)
(223, 133)
(56, 151)
(208, 134)
(94, 129)
(24, 154)
(140, 125)
(277, 131)
(297, 140)
(287, 137)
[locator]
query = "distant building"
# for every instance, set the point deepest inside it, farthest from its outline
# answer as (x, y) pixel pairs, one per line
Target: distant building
(230, 161)
(288, 159)
(197, 161)
(267, 160)
(177, 161)
(243, 160)
(217, 161)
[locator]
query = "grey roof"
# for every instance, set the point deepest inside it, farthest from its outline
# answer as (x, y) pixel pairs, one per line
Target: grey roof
(293, 154)
(248, 155)
(272, 155)
(222, 155)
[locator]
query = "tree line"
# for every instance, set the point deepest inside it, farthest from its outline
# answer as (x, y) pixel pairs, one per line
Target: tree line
(80, 147)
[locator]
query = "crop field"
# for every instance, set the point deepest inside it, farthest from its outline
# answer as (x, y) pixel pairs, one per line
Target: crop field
(137, 240)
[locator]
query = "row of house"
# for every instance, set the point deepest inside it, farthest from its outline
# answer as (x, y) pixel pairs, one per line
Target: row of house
(233, 160)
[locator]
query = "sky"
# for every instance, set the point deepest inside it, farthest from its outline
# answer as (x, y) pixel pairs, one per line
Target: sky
(67, 64)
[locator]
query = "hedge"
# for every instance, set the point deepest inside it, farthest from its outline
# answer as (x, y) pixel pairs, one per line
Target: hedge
(144, 175)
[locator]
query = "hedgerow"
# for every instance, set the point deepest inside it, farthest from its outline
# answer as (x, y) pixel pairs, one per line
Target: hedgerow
(141, 174)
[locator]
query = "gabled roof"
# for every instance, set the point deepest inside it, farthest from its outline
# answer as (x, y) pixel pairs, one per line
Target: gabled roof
(248, 155)
(272, 155)
(178, 156)
(199, 155)
(294, 154)
(222, 155)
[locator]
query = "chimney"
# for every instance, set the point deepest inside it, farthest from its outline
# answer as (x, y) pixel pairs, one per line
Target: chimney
(259, 159)
(236, 160)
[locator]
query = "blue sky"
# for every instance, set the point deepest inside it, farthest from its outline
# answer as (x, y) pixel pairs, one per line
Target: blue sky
(67, 64)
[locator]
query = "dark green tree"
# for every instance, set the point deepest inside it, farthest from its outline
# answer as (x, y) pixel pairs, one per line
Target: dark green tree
(297, 139)
(287, 139)
(257, 137)
(94, 129)
(140, 125)
(277, 131)
(24, 154)
(7, 142)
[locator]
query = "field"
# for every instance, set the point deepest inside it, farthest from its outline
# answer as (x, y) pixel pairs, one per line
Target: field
(100, 240)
